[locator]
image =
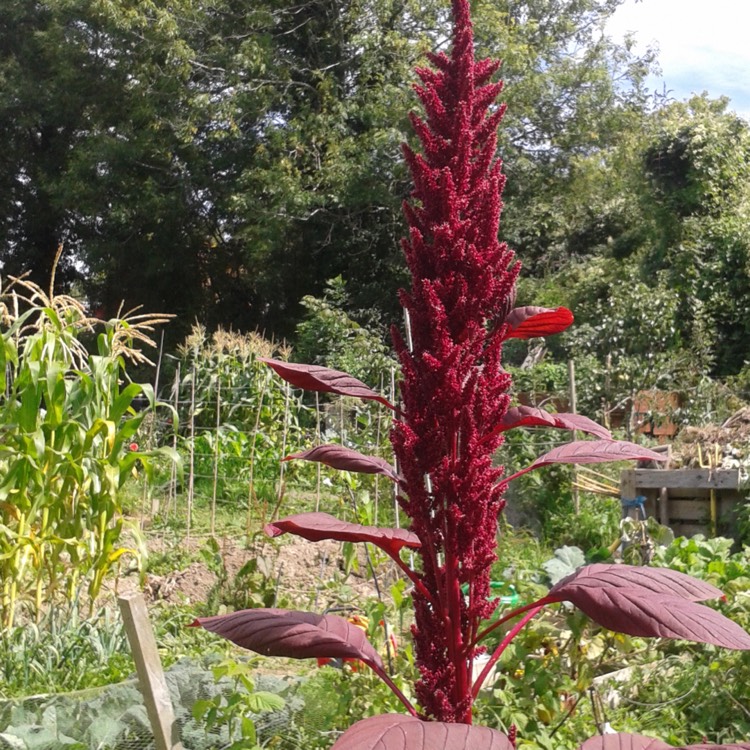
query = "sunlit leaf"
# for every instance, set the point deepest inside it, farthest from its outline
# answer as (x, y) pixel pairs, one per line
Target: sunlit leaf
(292, 633)
(317, 378)
(639, 742)
(638, 611)
(529, 416)
(318, 526)
(592, 452)
(400, 732)
(346, 459)
(533, 322)
(624, 742)
(651, 580)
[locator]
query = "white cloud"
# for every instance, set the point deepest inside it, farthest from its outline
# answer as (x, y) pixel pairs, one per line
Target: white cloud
(703, 46)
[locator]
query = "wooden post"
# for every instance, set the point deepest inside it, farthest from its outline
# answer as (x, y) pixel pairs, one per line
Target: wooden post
(216, 455)
(573, 409)
(172, 496)
(282, 464)
(150, 673)
(251, 495)
(191, 476)
(627, 492)
(154, 495)
(397, 518)
(317, 442)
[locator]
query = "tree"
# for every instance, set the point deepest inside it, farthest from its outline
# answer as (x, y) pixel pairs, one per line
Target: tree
(223, 162)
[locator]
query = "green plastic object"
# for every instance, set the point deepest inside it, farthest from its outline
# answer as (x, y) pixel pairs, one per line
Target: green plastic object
(511, 598)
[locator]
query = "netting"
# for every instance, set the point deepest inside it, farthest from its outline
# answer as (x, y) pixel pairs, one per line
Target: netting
(114, 717)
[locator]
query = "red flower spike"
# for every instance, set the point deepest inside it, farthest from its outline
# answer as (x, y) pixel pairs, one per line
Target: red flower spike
(454, 390)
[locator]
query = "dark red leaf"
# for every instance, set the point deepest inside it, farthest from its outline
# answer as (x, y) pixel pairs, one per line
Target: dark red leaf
(650, 580)
(318, 526)
(529, 416)
(592, 452)
(346, 459)
(317, 378)
(533, 322)
(639, 742)
(637, 611)
(624, 742)
(294, 634)
(399, 732)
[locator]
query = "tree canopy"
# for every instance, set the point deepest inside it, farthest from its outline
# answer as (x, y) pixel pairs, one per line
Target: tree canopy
(224, 162)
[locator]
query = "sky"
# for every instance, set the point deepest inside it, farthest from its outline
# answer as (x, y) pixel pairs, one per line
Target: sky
(704, 45)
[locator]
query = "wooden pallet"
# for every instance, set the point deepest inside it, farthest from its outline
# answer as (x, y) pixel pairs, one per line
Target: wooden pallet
(681, 498)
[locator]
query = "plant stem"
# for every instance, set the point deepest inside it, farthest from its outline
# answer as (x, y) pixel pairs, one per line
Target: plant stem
(505, 643)
(380, 672)
(538, 603)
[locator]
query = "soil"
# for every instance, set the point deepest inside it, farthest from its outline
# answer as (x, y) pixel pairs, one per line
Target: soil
(309, 575)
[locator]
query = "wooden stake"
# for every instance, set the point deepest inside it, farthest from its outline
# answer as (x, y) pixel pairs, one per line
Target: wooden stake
(216, 456)
(377, 448)
(150, 673)
(317, 442)
(191, 477)
(154, 495)
(282, 464)
(572, 398)
(397, 519)
(173, 472)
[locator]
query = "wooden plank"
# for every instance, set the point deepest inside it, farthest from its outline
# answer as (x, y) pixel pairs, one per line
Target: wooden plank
(150, 673)
(689, 510)
(627, 485)
(728, 479)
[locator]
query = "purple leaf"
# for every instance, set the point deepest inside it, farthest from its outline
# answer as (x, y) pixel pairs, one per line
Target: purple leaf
(317, 378)
(638, 611)
(528, 416)
(294, 634)
(346, 459)
(639, 742)
(399, 732)
(650, 580)
(592, 452)
(318, 526)
(533, 322)
(624, 742)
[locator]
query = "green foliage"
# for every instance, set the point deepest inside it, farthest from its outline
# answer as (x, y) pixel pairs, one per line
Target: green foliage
(329, 336)
(236, 406)
(63, 653)
(707, 690)
(244, 162)
(67, 425)
(235, 710)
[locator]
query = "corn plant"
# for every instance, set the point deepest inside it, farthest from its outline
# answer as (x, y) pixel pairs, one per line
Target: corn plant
(67, 432)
